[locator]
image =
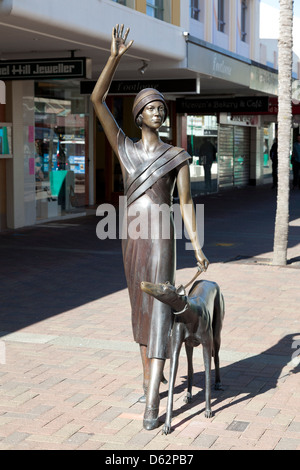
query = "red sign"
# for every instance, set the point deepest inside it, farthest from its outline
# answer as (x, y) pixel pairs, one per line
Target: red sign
(273, 107)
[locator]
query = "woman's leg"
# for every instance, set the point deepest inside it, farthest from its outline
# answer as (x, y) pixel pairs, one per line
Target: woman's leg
(146, 371)
(152, 401)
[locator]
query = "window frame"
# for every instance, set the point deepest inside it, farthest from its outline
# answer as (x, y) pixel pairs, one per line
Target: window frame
(157, 8)
(195, 10)
(244, 7)
(221, 16)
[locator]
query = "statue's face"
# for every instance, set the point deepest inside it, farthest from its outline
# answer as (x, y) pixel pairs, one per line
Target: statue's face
(153, 114)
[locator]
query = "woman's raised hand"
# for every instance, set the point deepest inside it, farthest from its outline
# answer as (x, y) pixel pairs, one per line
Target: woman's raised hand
(118, 47)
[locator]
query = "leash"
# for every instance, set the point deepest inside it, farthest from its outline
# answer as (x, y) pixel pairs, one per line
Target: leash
(182, 289)
(199, 271)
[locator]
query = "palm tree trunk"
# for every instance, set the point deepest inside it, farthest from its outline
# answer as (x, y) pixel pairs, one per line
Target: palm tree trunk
(285, 58)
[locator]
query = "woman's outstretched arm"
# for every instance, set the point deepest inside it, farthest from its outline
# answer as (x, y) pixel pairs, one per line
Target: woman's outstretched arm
(118, 48)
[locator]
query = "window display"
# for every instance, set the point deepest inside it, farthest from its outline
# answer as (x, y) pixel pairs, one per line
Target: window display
(60, 148)
(5, 140)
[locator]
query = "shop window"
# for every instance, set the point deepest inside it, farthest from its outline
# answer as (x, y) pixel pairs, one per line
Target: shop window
(202, 145)
(5, 140)
(60, 148)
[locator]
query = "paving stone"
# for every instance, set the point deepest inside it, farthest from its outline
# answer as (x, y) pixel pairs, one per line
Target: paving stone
(204, 440)
(287, 444)
(294, 427)
(269, 412)
(78, 439)
(238, 426)
(14, 439)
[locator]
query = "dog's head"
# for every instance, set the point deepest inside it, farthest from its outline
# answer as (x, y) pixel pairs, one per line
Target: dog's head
(166, 293)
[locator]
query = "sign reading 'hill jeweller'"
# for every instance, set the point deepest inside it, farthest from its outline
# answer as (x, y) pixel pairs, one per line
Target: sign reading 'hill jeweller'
(75, 67)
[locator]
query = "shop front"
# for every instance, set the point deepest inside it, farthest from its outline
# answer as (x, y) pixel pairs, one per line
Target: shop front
(220, 153)
(44, 140)
(224, 138)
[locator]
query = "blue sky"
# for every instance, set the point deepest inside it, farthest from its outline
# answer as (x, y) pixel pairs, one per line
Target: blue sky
(269, 22)
(275, 4)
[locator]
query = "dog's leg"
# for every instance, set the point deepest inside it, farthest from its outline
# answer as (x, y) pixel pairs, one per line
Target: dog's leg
(190, 373)
(207, 350)
(176, 343)
(218, 385)
(217, 327)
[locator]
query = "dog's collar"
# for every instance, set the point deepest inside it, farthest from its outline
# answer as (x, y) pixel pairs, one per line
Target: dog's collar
(181, 311)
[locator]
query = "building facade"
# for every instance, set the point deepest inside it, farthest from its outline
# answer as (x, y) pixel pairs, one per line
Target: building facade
(202, 54)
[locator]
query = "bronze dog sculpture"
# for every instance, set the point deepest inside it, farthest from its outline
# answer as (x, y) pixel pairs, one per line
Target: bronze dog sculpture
(198, 320)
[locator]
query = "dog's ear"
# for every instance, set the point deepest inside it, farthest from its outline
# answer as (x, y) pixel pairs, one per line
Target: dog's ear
(180, 290)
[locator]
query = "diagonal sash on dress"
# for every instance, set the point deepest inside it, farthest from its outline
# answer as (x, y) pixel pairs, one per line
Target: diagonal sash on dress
(148, 172)
(163, 165)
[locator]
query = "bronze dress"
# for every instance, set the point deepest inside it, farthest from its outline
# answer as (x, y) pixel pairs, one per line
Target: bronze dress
(149, 183)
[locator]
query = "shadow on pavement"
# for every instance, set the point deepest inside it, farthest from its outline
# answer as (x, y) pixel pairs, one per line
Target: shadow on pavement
(243, 379)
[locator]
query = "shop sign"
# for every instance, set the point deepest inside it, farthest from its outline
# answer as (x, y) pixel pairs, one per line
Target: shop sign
(217, 65)
(75, 67)
(240, 119)
(2, 92)
(273, 106)
(253, 104)
(264, 80)
(132, 87)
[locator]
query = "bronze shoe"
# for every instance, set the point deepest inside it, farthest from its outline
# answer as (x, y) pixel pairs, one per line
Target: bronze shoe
(151, 417)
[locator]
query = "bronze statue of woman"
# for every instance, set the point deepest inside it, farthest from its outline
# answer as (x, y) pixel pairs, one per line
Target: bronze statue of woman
(150, 169)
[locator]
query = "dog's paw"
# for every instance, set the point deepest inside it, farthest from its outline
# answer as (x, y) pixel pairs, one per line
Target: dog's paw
(208, 414)
(218, 386)
(166, 429)
(188, 398)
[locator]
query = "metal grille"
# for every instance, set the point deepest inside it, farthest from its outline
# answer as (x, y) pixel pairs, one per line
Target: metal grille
(234, 156)
(241, 156)
(225, 153)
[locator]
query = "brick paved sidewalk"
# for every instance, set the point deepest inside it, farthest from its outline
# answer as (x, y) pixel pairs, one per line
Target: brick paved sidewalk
(70, 373)
(72, 381)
